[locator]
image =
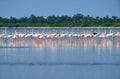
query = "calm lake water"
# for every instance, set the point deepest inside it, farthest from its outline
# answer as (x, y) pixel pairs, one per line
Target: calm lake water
(66, 58)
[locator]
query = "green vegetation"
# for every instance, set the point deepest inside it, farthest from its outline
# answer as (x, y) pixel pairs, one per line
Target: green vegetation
(78, 20)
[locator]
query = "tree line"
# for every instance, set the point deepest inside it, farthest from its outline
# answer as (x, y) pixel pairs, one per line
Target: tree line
(77, 20)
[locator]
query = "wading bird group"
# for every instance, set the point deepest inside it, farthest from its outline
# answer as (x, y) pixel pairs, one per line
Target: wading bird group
(37, 39)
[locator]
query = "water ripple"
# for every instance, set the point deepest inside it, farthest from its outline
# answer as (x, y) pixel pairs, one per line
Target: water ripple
(55, 63)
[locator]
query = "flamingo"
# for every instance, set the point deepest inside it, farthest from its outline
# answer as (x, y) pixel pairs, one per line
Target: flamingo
(117, 34)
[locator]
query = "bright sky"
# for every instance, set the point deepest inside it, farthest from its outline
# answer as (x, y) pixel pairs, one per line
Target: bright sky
(20, 8)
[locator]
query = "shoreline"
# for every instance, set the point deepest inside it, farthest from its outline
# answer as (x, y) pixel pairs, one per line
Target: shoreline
(63, 27)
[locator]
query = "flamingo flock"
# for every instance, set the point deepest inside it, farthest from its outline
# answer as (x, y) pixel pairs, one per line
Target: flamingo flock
(38, 39)
(56, 35)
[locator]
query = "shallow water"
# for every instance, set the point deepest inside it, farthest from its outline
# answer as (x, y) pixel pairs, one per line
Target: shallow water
(67, 58)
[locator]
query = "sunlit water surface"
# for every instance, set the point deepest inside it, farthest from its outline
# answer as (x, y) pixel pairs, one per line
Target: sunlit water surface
(66, 58)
